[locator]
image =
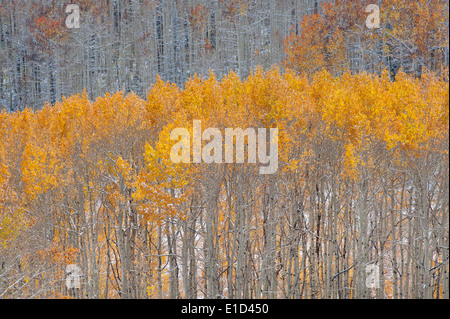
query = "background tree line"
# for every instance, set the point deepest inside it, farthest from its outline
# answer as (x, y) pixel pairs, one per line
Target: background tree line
(123, 45)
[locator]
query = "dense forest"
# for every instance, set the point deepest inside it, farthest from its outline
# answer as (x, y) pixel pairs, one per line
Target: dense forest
(123, 45)
(359, 206)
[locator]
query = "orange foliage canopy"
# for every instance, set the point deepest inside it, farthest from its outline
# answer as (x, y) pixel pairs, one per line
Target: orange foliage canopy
(115, 150)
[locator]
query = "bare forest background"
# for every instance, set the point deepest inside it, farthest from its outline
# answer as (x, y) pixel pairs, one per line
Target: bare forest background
(124, 45)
